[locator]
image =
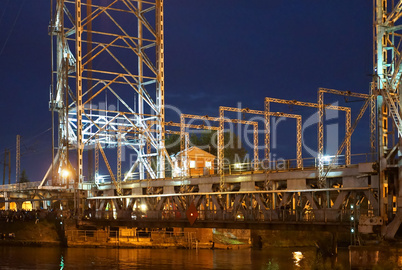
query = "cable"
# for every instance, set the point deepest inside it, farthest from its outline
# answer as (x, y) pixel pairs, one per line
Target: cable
(12, 28)
(11, 147)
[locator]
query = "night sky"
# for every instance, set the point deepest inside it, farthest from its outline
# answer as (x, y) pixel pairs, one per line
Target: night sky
(217, 53)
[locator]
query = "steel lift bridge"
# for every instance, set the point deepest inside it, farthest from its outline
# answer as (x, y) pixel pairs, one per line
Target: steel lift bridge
(107, 96)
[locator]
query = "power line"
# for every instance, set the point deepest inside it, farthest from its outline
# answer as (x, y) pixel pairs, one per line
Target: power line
(12, 28)
(12, 146)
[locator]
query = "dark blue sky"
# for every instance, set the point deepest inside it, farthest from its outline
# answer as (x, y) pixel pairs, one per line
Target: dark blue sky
(217, 52)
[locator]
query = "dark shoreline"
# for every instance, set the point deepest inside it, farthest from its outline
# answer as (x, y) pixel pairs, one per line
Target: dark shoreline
(29, 243)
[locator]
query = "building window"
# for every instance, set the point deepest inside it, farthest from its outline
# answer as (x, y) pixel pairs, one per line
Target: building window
(208, 164)
(192, 164)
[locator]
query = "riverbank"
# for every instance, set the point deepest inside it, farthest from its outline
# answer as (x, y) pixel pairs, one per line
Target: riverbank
(30, 243)
(30, 233)
(53, 232)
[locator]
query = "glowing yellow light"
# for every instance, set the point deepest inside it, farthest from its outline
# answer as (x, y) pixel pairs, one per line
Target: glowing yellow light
(143, 207)
(27, 206)
(297, 256)
(65, 173)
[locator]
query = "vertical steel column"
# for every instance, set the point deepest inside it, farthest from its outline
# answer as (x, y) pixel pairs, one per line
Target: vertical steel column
(380, 53)
(267, 162)
(184, 151)
(89, 80)
(348, 150)
(320, 138)
(299, 143)
(161, 88)
(221, 149)
(80, 144)
(187, 139)
(58, 100)
(52, 85)
(79, 69)
(373, 127)
(149, 157)
(96, 159)
(267, 132)
(119, 138)
(182, 130)
(255, 133)
(140, 84)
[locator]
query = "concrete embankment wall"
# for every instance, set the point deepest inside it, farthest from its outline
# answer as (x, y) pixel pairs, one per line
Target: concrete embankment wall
(200, 238)
(50, 232)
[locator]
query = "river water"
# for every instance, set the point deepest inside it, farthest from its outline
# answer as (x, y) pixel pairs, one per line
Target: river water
(101, 258)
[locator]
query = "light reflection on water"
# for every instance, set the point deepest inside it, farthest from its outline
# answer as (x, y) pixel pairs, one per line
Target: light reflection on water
(161, 259)
(61, 263)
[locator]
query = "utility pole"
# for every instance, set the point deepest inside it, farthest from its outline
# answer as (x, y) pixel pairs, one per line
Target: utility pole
(7, 163)
(17, 160)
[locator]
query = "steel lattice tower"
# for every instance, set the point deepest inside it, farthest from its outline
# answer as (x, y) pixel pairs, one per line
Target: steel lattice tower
(387, 88)
(108, 84)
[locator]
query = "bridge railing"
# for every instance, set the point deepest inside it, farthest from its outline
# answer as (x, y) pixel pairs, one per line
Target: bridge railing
(20, 186)
(273, 165)
(289, 164)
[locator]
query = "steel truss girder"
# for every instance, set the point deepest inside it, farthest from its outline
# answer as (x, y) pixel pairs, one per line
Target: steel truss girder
(286, 206)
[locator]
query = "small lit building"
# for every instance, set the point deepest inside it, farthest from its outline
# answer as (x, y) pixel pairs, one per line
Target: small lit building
(199, 162)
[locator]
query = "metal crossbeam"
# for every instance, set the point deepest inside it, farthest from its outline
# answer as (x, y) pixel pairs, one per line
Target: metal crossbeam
(343, 93)
(221, 121)
(322, 177)
(320, 106)
(222, 109)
